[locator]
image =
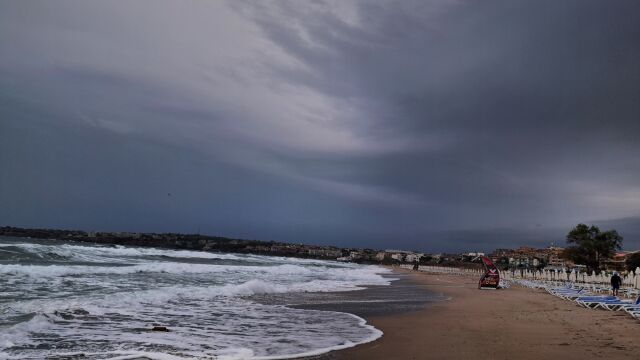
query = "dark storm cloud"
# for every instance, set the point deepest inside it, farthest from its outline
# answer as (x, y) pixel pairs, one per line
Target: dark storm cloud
(425, 125)
(537, 102)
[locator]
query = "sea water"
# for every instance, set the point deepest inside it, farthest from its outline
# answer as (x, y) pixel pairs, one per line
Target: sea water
(61, 300)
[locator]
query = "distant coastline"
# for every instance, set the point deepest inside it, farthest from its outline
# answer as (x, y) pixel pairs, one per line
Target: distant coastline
(199, 242)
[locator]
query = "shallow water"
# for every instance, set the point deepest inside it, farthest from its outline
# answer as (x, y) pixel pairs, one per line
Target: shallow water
(77, 300)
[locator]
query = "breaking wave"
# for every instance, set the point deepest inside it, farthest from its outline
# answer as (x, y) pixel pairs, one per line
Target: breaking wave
(63, 299)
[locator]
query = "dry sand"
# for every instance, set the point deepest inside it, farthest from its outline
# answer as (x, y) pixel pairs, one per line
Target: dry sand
(515, 323)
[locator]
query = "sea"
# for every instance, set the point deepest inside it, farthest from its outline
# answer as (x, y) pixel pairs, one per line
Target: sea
(70, 300)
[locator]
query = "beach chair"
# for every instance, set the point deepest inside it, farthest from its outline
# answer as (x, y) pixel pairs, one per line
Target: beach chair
(631, 306)
(594, 301)
(634, 313)
(620, 304)
(568, 294)
(571, 296)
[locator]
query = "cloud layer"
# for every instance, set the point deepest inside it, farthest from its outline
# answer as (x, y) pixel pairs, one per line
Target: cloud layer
(428, 125)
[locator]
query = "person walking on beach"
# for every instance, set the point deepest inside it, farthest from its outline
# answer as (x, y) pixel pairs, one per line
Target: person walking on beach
(616, 281)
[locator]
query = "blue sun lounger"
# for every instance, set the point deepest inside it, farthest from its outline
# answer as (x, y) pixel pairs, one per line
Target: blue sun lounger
(593, 301)
(611, 303)
(632, 306)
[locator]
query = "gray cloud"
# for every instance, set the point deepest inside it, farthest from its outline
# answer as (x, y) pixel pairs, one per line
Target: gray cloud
(427, 125)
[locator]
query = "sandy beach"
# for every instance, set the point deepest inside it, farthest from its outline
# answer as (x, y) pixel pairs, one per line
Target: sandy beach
(515, 323)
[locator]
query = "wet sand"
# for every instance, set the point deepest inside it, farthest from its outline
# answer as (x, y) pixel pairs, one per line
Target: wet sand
(403, 295)
(515, 323)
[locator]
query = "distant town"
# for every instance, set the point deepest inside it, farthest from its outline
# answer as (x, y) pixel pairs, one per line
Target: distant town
(506, 259)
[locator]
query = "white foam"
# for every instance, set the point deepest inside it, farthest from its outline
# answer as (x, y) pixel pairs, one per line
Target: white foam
(375, 334)
(93, 253)
(101, 304)
(41, 271)
(343, 278)
(16, 334)
(202, 303)
(290, 325)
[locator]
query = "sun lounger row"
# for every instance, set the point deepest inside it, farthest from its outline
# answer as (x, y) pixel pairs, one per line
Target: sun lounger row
(587, 296)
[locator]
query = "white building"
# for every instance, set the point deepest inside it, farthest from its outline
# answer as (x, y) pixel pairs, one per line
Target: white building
(413, 257)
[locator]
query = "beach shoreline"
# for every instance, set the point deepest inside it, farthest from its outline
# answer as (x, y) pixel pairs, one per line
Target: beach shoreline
(402, 295)
(512, 323)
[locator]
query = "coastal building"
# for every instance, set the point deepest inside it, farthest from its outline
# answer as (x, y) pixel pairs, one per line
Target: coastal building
(413, 257)
(475, 254)
(619, 260)
(399, 255)
(529, 257)
(554, 260)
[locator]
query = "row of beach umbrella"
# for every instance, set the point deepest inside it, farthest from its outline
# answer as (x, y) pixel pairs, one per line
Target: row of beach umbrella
(629, 279)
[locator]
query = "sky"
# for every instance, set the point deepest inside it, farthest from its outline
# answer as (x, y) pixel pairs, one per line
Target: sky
(424, 125)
